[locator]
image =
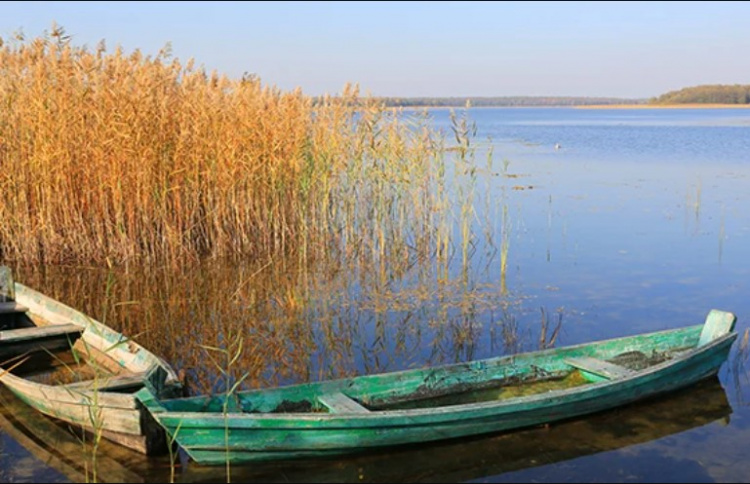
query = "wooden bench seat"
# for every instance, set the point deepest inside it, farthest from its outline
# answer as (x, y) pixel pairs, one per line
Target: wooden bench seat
(39, 332)
(340, 403)
(108, 383)
(600, 368)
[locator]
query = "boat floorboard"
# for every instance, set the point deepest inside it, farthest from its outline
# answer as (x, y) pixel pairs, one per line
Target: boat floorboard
(109, 383)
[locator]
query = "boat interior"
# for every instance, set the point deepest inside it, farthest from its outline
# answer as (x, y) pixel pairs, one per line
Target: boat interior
(53, 354)
(501, 378)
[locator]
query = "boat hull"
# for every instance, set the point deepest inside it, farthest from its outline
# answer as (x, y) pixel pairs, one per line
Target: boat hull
(114, 416)
(213, 438)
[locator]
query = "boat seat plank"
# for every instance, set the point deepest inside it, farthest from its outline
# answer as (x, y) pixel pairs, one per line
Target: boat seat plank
(108, 382)
(599, 367)
(12, 307)
(39, 332)
(340, 403)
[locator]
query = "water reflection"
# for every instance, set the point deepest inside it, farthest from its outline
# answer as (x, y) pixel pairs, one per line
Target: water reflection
(297, 324)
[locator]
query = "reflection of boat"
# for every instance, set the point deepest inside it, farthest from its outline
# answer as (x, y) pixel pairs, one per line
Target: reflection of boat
(72, 455)
(416, 406)
(480, 457)
(92, 383)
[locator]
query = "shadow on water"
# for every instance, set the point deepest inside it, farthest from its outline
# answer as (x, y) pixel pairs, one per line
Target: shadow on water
(461, 460)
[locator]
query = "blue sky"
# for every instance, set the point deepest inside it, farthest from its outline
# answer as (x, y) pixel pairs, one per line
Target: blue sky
(620, 49)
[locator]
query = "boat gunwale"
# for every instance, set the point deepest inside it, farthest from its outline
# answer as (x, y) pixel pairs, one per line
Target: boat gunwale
(69, 396)
(92, 328)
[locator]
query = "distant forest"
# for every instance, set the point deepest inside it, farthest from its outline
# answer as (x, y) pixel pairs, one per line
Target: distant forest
(505, 101)
(707, 94)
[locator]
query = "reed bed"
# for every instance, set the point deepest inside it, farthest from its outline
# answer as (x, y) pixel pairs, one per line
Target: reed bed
(326, 232)
(114, 157)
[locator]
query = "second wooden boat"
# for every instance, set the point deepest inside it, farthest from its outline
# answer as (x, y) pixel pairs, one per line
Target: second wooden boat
(74, 368)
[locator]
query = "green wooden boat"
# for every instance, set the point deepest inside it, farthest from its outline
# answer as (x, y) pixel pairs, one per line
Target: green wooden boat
(415, 406)
(74, 368)
(479, 458)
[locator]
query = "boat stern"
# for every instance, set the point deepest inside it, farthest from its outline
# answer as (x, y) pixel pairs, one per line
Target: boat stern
(718, 323)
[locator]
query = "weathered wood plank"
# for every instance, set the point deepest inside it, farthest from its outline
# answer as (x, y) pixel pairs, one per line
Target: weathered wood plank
(86, 411)
(108, 383)
(63, 395)
(39, 332)
(340, 403)
(602, 368)
(121, 352)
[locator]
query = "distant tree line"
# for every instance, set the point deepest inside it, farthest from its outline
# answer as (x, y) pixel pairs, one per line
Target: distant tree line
(707, 94)
(507, 101)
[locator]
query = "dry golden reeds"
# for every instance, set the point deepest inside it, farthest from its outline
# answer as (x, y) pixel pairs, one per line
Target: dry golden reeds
(115, 157)
(110, 158)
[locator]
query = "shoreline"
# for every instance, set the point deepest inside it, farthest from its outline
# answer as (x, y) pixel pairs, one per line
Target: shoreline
(664, 106)
(590, 106)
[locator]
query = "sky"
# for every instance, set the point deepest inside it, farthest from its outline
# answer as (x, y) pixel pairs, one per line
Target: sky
(411, 49)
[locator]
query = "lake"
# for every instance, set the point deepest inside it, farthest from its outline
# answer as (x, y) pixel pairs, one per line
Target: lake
(586, 224)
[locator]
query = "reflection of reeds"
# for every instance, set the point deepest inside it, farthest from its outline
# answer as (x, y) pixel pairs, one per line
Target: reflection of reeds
(510, 333)
(297, 323)
(545, 340)
(504, 247)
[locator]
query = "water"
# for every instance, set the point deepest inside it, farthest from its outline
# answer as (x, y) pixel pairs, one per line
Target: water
(615, 222)
(638, 210)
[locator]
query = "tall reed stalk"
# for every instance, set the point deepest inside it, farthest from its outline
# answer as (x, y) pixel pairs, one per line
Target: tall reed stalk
(228, 356)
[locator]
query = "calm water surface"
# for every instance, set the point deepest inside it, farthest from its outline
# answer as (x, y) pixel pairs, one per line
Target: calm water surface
(611, 222)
